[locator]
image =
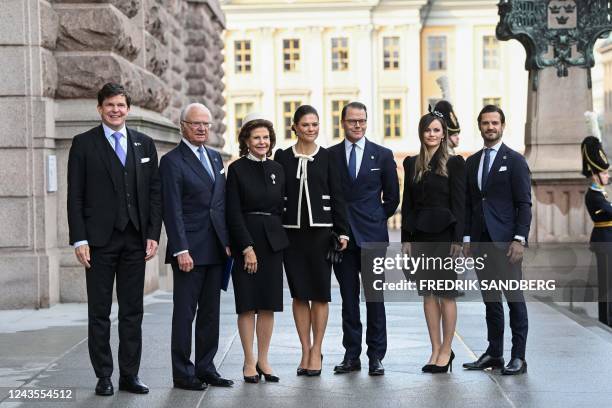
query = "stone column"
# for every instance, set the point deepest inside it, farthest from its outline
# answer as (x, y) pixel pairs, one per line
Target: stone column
(558, 36)
(55, 57)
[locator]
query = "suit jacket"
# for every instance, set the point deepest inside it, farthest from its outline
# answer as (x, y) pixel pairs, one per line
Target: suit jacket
(256, 187)
(194, 206)
(324, 199)
(92, 189)
(435, 203)
(374, 196)
(504, 205)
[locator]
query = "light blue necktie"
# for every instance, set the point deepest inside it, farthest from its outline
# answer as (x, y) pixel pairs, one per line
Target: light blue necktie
(118, 149)
(352, 164)
(485, 169)
(205, 163)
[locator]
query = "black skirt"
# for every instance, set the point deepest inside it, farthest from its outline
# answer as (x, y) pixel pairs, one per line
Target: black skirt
(436, 246)
(308, 273)
(262, 290)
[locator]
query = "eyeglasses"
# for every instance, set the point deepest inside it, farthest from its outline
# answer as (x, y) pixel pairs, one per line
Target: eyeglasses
(196, 125)
(355, 122)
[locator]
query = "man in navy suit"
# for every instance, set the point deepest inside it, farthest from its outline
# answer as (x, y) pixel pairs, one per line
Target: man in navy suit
(371, 190)
(498, 212)
(193, 193)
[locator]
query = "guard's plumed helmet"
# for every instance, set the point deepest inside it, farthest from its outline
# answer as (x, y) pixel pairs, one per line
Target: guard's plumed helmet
(594, 159)
(446, 109)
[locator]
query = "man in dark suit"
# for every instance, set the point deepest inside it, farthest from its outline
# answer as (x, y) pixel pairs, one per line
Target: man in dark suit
(498, 212)
(114, 220)
(193, 191)
(371, 190)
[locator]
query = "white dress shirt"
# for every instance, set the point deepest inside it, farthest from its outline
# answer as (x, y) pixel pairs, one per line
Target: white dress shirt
(359, 150)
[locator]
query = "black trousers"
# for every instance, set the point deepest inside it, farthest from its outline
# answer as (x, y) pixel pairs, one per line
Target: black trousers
(498, 268)
(347, 274)
(123, 258)
(196, 294)
(604, 285)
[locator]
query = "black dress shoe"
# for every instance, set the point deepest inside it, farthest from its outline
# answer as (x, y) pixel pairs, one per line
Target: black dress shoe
(485, 361)
(515, 366)
(346, 366)
(104, 386)
(315, 373)
(436, 369)
(376, 367)
(268, 377)
(427, 368)
(133, 384)
(192, 384)
(216, 380)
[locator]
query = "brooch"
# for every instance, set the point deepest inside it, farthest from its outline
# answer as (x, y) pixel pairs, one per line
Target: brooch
(273, 177)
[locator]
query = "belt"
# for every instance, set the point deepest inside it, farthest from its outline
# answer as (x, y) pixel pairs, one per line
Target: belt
(603, 224)
(259, 213)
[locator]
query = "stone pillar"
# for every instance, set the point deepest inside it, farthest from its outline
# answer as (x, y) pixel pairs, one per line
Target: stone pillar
(55, 57)
(558, 36)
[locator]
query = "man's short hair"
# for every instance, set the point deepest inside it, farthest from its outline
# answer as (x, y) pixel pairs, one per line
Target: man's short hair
(111, 89)
(492, 109)
(354, 105)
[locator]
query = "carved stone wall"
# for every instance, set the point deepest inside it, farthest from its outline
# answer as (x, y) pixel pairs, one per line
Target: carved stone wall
(55, 56)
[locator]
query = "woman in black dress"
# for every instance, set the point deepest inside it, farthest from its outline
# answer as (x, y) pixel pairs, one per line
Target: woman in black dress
(254, 205)
(314, 207)
(432, 224)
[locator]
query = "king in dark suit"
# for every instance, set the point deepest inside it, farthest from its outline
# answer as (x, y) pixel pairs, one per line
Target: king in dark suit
(371, 189)
(498, 212)
(114, 220)
(193, 191)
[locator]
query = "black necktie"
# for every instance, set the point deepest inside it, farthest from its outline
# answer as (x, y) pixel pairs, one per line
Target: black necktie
(485, 168)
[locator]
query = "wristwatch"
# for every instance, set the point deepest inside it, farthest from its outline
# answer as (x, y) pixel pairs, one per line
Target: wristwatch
(520, 241)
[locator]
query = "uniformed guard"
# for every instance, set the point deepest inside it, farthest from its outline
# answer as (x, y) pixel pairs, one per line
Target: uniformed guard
(595, 168)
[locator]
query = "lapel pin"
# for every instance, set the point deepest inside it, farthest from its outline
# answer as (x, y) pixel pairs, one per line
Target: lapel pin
(372, 157)
(136, 143)
(273, 177)
(504, 157)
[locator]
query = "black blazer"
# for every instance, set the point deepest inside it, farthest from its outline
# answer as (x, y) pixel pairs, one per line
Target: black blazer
(324, 199)
(435, 203)
(255, 187)
(92, 196)
(504, 205)
(194, 207)
(600, 210)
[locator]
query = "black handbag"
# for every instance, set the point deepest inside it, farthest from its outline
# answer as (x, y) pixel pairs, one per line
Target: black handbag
(334, 254)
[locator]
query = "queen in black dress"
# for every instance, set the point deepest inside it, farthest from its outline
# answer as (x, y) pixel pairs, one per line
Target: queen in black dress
(254, 205)
(433, 212)
(314, 207)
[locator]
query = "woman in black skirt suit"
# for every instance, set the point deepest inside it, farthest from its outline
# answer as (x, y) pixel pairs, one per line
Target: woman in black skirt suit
(254, 205)
(314, 207)
(433, 220)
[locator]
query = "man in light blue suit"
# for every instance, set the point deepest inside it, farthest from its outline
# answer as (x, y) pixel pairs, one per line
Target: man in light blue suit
(371, 190)
(193, 193)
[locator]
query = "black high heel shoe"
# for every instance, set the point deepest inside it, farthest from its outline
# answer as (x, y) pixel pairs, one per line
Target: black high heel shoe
(268, 377)
(251, 379)
(443, 369)
(315, 373)
(301, 371)
(427, 368)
